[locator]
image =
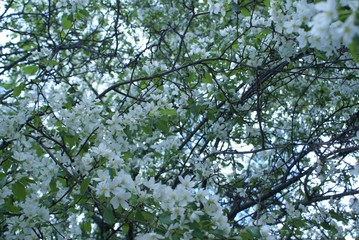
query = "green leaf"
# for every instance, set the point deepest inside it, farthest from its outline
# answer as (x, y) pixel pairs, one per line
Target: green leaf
(255, 231)
(19, 190)
(3, 179)
(7, 86)
(171, 112)
(220, 97)
(338, 217)
(163, 126)
(326, 226)
(127, 155)
(211, 114)
(17, 90)
(235, 7)
(297, 222)
(207, 78)
(84, 185)
(26, 47)
(53, 63)
(53, 185)
(143, 85)
(219, 233)
(251, 233)
(320, 55)
(31, 69)
(6, 165)
(354, 48)
(11, 208)
(37, 121)
(27, 180)
(84, 12)
(165, 219)
(147, 216)
(87, 227)
(267, 3)
(125, 228)
(246, 235)
(139, 216)
(344, 14)
(65, 22)
(245, 12)
(198, 234)
(108, 215)
(144, 216)
(148, 129)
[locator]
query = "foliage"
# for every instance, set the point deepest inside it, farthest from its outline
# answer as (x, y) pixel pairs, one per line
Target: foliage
(179, 119)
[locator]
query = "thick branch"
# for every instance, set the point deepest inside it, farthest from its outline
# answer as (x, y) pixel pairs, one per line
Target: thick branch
(334, 196)
(240, 207)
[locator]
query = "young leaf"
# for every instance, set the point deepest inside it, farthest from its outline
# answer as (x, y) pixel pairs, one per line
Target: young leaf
(53, 185)
(31, 70)
(207, 78)
(11, 208)
(53, 63)
(147, 216)
(354, 49)
(6, 165)
(125, 228)
(297, 222)
(165, 219)
(19, 190)
(84, 12)
(17, 90)
(87, 227)
(108, 215)
(163, 126)
(198, 234)
(37, 121)
(66, 23)
(267, 3)
(245, 12)
(168, 112)
(338, 217)
(84, 185)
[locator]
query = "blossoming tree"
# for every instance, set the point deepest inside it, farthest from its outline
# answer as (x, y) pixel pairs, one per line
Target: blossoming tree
(212, 119)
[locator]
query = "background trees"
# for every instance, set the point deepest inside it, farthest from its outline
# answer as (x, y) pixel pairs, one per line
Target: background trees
(179, 119)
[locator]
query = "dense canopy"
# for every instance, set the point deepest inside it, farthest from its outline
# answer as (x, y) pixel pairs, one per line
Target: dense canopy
(161, 119)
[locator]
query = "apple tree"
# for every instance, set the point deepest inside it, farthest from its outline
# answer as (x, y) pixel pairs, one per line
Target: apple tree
(158, 119)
